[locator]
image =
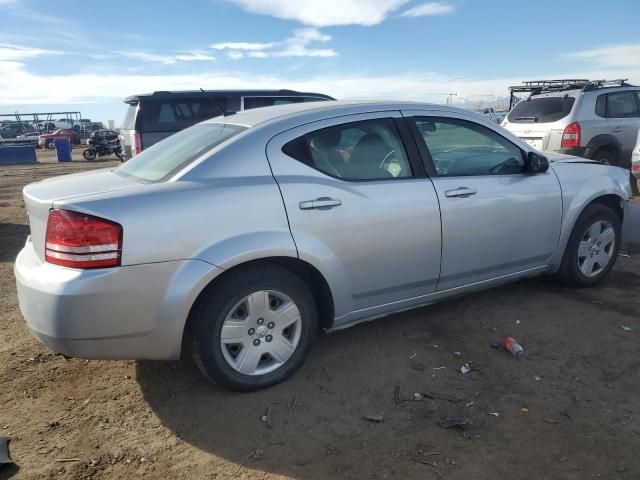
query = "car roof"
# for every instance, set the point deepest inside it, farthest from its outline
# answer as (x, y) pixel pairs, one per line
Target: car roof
(311, 111)
(163, 95)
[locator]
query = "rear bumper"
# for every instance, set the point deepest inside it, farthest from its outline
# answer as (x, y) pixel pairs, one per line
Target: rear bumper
(635, 165)
(132, 312)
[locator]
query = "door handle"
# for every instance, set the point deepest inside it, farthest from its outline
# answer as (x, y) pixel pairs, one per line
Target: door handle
(461, 192)
(322, 203)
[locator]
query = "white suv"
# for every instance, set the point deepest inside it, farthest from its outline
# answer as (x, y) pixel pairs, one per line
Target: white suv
(598, 120)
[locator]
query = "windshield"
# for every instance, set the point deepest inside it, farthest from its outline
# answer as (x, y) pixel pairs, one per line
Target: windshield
(541, 109)
(165, 158)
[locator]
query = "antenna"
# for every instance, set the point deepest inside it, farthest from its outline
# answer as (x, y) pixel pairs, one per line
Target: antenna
(216, 104)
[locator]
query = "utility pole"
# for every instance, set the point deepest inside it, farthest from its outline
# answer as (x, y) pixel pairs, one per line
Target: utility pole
(450, 97)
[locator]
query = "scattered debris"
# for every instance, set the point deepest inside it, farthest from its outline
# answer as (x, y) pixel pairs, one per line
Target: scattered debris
(550, 420)
(524, 410)
(396, 395)
(292, 403)
(5, 457)
(465, 368)
(624, 255)
(67, 460)
(625, 328)
(620, 469)
(52, 425)
(438, 368)
(374, 418)
(470, 404)
(536, 378)
(450, 397)
(495, 414)
(454, 422)
(418, 366)
(496, 345)
(517, 322)
(412, 356)
(512, 345)
(266, 418)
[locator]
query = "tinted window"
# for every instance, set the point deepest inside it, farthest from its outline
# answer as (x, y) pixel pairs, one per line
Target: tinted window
(367, 150)
(541, 110)
(601, 106)
(459, 147)
(175, 114)
(175, 152)
(622, 105)
(256, 102)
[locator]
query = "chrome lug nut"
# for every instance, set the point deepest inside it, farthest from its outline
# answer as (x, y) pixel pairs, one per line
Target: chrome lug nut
(252, 331)
(268, 338)
(260, 321)
(270, 325)
(256, 342)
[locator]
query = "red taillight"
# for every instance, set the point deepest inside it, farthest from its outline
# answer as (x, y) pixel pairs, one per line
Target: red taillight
(136, 144)
(78, 240)
(635, 168)
(571, 136)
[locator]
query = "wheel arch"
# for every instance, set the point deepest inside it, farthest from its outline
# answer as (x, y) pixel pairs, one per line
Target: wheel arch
(308, 273)
(604, 142)
(610, 200)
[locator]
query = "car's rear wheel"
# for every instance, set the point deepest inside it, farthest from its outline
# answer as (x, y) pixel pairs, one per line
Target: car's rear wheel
(606, 156)
(254, 328)
(592, 248)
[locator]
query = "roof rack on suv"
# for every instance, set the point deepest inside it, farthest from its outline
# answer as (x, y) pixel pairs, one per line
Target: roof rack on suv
(535, 87)
(592, 85)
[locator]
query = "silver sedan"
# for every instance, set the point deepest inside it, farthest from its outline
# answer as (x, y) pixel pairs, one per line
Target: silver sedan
(241, 238)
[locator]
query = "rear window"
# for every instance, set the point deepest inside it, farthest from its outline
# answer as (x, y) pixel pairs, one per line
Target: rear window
(175, 114)
(167, 157)
(541, 110)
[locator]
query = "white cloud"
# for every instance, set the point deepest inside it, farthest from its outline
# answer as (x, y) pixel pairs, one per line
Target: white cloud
(9, 52)
(19, 86)
(192, 56)
(324, 13)
(428, 9)
(295, 46)
(622, 55)
(251, 46)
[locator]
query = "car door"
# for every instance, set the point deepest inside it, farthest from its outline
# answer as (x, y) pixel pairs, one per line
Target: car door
(623, 114)
(498, 219)
(360, 209)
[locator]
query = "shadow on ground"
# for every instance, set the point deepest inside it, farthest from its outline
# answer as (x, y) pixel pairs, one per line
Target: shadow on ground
(316, 427)
(12, 238)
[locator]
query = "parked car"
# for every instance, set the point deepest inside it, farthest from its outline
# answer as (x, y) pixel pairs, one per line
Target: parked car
(13, 129)
(29, 136)
(493, 115)
(47, 140)
(153, 117)
(242, 237)
(597, 120)
(635, 159)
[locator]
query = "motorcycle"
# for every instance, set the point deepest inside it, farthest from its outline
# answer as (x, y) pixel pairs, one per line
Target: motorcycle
(103, 148)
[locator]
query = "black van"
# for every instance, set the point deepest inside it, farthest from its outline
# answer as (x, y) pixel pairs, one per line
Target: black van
(152, 117)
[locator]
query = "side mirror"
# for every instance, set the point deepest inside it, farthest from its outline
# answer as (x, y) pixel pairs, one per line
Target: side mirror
(537, 163)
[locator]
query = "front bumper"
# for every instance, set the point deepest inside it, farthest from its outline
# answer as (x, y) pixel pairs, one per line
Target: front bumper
(130, 312)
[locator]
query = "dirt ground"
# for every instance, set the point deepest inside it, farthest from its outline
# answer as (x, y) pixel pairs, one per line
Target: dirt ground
(568, 410)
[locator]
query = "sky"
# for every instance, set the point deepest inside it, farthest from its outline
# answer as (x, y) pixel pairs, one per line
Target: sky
(77, 55)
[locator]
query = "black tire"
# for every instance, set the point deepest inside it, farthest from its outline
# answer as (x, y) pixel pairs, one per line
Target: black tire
(606, 156)
(217, 303)
(89, 154)
(635, 191)
(569, 273)
(51, 145)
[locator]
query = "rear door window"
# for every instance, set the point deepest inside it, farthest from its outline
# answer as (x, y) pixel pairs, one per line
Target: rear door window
(621, 105)
(541, 109)
(175, 114)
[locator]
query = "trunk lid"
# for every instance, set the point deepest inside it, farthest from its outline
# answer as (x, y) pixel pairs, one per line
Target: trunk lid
(40, 197)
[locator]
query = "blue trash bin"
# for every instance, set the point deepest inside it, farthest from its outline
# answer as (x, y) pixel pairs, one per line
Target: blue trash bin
(16, 154)
(63, 149)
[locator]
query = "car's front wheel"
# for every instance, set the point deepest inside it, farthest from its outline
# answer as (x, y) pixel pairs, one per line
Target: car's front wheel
(254, 328)
(592, 248)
